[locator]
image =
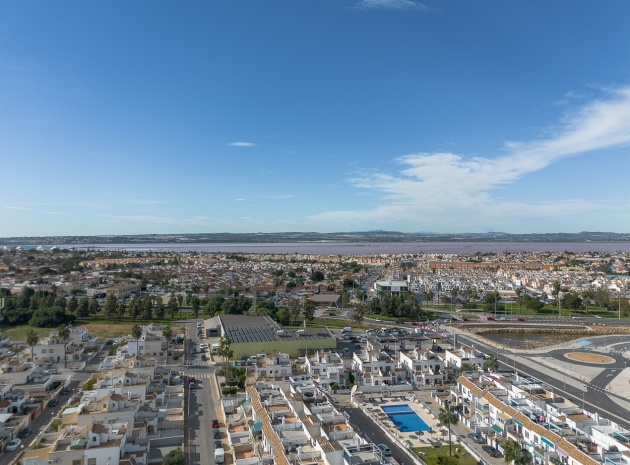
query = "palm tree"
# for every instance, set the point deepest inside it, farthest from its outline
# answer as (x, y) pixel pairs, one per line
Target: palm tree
(225, 350)
(136, 332)
(167, 333)
(32, 339)
(513, 452)
(492, 363)
(64, 333)
(525, 458)
(448, 418)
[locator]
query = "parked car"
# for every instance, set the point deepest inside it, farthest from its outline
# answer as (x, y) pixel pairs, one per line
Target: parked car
(204, 358)
(13, 444)
(520, 319)
(24, 433)
(490, 318)
(215, 423)
(218, 445)
(476, 437)
(216, 433)
(192, 385)
(65, 391)
(492, 451)
(52, 402)
(385, 449)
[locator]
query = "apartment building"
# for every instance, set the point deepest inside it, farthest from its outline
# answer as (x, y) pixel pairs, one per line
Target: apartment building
(423, 367)
(292, 427)
(553, 429)
(131, 417)
(327, 369)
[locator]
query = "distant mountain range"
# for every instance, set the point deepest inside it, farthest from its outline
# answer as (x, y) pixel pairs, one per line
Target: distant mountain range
(365, 236)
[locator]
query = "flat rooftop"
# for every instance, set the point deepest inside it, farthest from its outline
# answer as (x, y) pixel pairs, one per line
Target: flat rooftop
(241, 328)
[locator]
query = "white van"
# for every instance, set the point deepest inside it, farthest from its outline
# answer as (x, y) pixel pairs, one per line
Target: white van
(347, 329)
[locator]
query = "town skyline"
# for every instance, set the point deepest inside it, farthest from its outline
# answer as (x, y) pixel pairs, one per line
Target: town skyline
(351, 115)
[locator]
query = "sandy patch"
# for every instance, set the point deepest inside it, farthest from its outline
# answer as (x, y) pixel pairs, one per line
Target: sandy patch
(589, 357)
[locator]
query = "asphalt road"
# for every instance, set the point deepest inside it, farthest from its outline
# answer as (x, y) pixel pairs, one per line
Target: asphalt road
(201, 405)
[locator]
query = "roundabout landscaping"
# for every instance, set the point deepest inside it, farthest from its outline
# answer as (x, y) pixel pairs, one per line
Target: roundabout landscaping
(589, 357)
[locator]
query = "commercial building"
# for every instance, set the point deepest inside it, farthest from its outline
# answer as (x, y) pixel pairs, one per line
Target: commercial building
(250, 335)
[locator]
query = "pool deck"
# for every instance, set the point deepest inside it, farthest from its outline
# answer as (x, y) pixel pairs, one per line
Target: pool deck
(415, 400)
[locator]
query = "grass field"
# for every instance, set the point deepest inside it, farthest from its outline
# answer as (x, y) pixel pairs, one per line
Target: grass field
(98, 329)
(463, 456)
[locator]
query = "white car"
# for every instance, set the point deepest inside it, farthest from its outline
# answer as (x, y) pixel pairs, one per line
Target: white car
(13, 444)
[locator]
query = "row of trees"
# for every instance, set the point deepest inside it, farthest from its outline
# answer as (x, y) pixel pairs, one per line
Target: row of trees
(398, 305)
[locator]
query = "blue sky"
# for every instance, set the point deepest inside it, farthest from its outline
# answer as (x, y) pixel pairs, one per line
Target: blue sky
(314, 115)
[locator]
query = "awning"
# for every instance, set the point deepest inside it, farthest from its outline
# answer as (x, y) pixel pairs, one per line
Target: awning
(547, 441)
(257, 426)
(561, 452)
(518, 422)
(497, 429)
(539, 454)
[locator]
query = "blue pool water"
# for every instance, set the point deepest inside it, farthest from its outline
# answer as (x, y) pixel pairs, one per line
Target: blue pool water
(405, 418)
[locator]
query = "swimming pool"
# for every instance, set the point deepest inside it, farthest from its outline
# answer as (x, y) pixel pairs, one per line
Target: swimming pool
(405, 418)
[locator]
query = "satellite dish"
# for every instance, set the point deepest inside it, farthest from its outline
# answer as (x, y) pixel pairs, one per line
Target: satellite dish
(353, 391)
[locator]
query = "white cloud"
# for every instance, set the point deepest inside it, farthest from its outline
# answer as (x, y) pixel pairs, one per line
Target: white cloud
(390, 5)
(449, 185)
(239, 200)
(53, 213)
(242, 144)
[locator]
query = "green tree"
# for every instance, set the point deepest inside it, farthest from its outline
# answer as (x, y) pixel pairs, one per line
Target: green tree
(83, 307)
(571, 301)
(110, 306)
(196, 305)
(135, 308)
(174, 457)
(283, 316)
(447, 417)
(159, 309)
(214, 305)
(309, 310)
(121, 309)
(147, 307)
(294, 309)
(167, 334)
(225, 350)
(94, 306)
(136, 332)
(492, 363)
(359, 314)
(466, 368)
(513, 452)
(64, 334)
(32, 339)
(172, 305)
